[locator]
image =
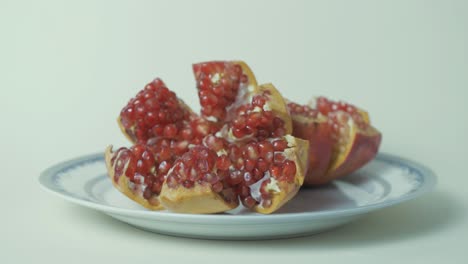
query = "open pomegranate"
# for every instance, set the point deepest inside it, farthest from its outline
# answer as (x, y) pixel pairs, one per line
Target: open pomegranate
(239, 150)
(341, 138)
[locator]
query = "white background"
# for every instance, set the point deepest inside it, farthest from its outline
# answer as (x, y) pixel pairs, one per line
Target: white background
(68, 68)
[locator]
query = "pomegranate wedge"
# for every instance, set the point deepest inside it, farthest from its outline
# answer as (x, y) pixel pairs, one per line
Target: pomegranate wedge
(341, 138)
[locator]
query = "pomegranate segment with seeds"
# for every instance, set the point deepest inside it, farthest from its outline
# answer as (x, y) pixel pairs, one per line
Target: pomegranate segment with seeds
(268, 173)
(262, 115)
(340, 136)
(134, 173)
(215, 177)
(193, 184)
(157, 112)
(220, 84)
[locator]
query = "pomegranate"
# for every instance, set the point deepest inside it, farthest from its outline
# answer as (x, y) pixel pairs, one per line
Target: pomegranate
(240, 150)
(341, 138)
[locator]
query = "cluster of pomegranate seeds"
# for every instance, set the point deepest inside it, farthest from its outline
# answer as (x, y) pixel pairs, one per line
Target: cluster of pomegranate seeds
(241, 166)
(304, 110)
(195, 166)
(256, 120)
(155, 111)
(326, 107)
(218, 84)
(338, 113)
(137, 164)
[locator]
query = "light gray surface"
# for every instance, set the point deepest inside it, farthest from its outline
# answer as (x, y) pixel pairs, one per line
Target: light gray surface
(69, 67)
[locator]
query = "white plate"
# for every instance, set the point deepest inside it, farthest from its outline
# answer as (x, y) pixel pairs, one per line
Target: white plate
(386, 181)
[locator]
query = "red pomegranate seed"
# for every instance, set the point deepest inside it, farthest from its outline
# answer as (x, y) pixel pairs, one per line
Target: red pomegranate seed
(217, 187)
(278, 158)
(156, 187)
(239, 122)
(249, 164)
(147, 193)
(137, 150)
(251, 151)
(258, 100)
(276, 171)
(170, 131)
(164, 154)
(289, 170)
(223, 162)
(257, 174)
(265, 194)
(253, 119)
(278, 122)
(203, 166)
(279, 132)
(148, 159)
(249, 202)
(186, 133)
(172, 181)
(213, 142)
(262, 165)
(235, 177)
(131, 169)
(280, 145)
(148, 180)
(238, 132)
(323, 105)
(264, 148)
(140, 167)
(269, 157)
(210, 178)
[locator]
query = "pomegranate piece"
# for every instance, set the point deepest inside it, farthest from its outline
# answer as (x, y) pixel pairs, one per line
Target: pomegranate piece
(157, 112)
(310, 125)
(194, 186)
(140, 171)
(219, 84)
(341, 138)
(203, 181)
(273, 182)
(133, 172)
(263, 114)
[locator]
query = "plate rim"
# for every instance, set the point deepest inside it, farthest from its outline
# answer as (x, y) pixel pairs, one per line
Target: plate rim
(428, 184)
